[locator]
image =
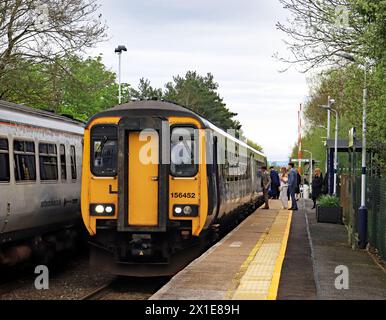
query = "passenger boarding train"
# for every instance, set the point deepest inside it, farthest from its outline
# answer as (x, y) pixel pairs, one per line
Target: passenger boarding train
(40, 174)
(151, 218)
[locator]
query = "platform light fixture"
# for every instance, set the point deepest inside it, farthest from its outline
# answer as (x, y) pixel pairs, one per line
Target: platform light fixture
(119, 51)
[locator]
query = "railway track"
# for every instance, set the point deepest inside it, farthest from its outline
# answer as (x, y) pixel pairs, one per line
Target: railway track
(98, 292)
(126, 288)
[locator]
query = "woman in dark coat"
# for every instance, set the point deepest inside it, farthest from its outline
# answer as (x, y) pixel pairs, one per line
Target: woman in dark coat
(317, 186)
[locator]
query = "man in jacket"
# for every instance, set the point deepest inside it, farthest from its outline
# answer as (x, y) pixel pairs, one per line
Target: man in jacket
(275, 183)
(266, 183)
(292, 184)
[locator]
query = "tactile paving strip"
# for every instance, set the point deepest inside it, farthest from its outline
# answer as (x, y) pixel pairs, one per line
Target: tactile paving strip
(260, 279)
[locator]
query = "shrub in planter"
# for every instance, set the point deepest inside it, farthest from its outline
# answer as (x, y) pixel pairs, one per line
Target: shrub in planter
(328, 209)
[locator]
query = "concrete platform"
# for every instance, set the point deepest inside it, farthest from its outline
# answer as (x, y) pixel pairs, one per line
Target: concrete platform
(315, 254)
(246, 264)
(279, 254)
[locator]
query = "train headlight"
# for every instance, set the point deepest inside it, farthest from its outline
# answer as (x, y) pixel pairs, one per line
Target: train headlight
(102, 209)
(185, 210)
(99, 209)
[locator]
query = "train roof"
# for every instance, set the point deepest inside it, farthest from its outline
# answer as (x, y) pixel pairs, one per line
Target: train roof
(18, 113)
(148, 107)
(164, 108)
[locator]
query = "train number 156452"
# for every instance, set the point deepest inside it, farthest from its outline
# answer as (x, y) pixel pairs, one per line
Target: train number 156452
(188, 195)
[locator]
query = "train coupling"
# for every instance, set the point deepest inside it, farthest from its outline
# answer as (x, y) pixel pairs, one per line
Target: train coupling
(141, 245)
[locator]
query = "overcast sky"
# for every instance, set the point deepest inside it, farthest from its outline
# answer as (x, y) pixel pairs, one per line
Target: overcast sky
(234, 40)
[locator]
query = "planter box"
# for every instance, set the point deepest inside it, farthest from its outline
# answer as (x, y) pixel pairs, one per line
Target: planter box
(329, 214)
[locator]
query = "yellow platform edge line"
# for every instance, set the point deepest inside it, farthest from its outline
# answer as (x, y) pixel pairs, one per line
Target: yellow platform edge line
(245, 265)
(274, 287)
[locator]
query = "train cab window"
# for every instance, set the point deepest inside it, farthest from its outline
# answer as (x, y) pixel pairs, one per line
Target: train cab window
(183, 152)
(104, 150)
(25, 163)
(63, 169)
(48, 162)
(73, 163)
(4, 160)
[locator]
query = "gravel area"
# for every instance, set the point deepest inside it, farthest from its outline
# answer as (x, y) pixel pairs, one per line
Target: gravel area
(69, 281)
(73, 278)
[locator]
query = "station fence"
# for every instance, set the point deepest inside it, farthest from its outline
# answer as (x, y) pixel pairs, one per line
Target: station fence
(350, 195)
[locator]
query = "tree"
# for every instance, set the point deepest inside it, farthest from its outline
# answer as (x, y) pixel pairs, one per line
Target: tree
(354, 50)
(254, 145)
(345, 85)
(199, 93)
(331, 32)
(72, 85)
(45, 30)
(146, 91)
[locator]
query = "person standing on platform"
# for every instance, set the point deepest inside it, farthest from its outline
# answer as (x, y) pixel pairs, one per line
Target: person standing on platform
(275, 183)
(292, 184)
(299, 179)
(266, 183)
(284, 187)
(317, 186)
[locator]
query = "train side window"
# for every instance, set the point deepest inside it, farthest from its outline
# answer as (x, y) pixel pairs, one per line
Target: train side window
(25, 163)
(48, 161)
(184, 153)
(73, 162)
(4, 160)
(63, 168)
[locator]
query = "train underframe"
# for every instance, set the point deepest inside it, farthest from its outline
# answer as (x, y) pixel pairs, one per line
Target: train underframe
(39, 244)
(144, 254)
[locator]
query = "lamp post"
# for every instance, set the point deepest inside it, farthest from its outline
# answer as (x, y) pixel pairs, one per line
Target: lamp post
(362, 211)
(324, 127)
(336, 145)
(328, 116)
(119, 50)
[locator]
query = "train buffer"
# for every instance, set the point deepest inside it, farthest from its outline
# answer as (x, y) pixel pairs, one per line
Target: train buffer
(280, 254)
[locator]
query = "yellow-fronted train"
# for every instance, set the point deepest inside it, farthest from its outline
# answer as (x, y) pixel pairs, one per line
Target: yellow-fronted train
(160, 183)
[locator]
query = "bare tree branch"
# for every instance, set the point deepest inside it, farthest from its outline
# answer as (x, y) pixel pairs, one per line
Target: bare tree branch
(315, 35)
(47, 29)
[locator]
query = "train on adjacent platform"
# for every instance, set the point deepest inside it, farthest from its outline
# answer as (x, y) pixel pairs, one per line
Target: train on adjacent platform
(159, 184)
(40, 174)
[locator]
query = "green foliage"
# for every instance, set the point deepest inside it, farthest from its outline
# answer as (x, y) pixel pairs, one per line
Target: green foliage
(199, 93)
(346, 85)
(72, 85)
(356, 55)
(254, 145)
(145, 91)
(328, 201)
(318, 36)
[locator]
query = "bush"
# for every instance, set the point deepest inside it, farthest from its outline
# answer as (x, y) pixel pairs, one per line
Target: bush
(328, 201)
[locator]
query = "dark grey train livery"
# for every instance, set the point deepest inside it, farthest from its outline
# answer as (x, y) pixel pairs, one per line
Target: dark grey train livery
(40, 174)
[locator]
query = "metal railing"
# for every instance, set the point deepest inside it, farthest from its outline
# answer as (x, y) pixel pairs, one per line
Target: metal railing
(376, 204)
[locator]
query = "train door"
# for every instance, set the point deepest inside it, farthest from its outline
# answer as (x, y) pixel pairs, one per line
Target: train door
(216, 176)
(5, 187)
(143, 177)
